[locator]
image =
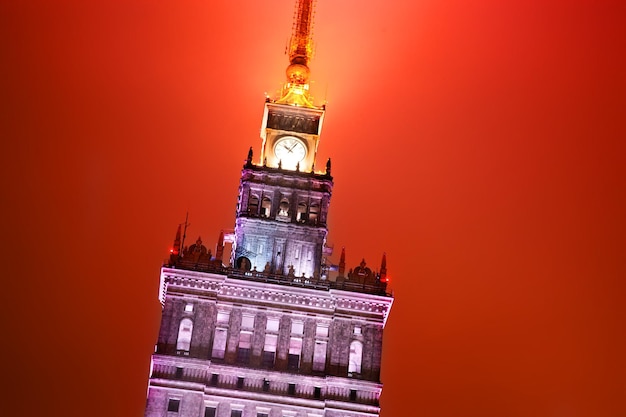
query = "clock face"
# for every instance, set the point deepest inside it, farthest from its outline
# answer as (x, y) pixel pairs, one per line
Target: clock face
(289, 150)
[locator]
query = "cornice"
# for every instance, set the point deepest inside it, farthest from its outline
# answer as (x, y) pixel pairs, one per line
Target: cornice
(323, 300)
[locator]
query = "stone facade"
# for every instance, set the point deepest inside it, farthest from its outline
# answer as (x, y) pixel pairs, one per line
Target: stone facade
(281, 221)
(315, 369)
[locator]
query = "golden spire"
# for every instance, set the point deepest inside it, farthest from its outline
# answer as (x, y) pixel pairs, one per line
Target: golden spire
(296, 89)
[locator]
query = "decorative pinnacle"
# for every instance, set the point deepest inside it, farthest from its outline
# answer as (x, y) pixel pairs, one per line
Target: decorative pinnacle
(296, 89)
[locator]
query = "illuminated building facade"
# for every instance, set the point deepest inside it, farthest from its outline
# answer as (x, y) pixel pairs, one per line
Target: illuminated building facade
(273, 331)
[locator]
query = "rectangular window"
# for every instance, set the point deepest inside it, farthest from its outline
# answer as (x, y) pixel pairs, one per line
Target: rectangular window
(179, 372)
(188, 307)
(317, 393)
(235, 413)
(247, 321)
(219, 343)
(352, 395)
(321, 331)
(295, 350)
(240, 382)
(209, 411)
(173, 405)
(291, 389)
(297, 327)
(243, 356)
(268, 359)
(223, 316)
(269, 351)
(270, 342)
(266, 385)
(319, 356)
(293, 362)
(243, 350)
(272, 325)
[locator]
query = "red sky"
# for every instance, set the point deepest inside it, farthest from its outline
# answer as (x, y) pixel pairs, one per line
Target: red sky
(479, 144)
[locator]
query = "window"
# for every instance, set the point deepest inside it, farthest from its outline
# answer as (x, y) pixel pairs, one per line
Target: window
(297, 327)
(247, 321)
(209, 411)
(240, 382)
(301, 215)
(235, 413)
(283, 208)
(357, 329)
(272, 325)
(269, 351)
(352, 395)
(317, 393)
(219, 343)
(214, 379)
(184, 335)
(319, 356)
(243, 350)
(262, 415)
(266, 385)
(314, 211)
(223, 316)
(291, 389)
(188, 308)
(253, 205)
(173, 405)
(321, 330)
(356, 356)
(179, 372)
(266, 206)
(295, 349)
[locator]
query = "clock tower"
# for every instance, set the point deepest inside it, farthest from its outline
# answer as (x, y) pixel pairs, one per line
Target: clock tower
(275, 331)
(292, 124)
(283, 202)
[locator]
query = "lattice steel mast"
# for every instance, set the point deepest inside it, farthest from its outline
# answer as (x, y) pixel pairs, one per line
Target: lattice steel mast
(300, 50)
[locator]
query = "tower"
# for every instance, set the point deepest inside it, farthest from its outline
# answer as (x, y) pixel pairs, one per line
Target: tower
(276, 331)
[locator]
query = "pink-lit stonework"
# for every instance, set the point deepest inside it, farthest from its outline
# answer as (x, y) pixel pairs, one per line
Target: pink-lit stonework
(274, 329)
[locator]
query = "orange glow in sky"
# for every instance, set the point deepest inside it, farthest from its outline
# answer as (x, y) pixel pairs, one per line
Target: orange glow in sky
(480, 145)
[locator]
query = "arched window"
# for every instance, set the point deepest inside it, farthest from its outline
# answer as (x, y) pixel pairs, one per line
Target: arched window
(314, 212)
(356, 356)
(283, 208)
(244, 263)
(301, 216)
(266, 206)
(184, 335)
(253, 205)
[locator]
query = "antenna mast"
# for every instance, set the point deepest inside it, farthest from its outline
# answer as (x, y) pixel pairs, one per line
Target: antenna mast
(182, 245)
(300, 50)
(301, 42)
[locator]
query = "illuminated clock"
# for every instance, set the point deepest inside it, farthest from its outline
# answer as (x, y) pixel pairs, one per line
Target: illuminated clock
(289, 150)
